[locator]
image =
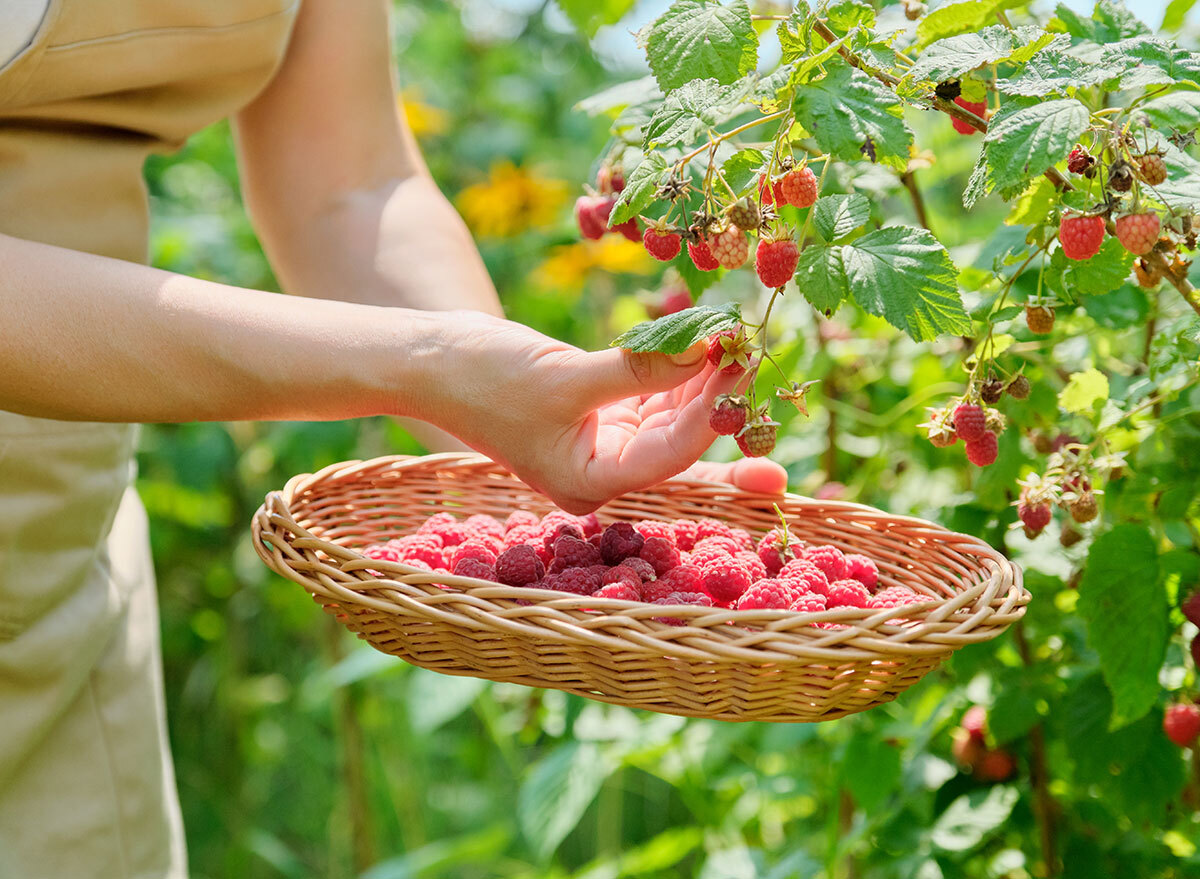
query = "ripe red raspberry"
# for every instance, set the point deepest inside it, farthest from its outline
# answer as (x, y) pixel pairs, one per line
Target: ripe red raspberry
(590, 524)
(1181, 723)
(552, 533)
(1039, 319)
(712, 528)
(730, 246)
(661, 244)
(847, 593)
(702, 255)
(1079, 160)
(622, 574)
(702, 556)
(798, 188)
(979, 108)
(578, 581)
(1034, 516)
(655, 528)
(894, 596)
(621, 591)
(777, 548)
(575, 552)
(775, 261)
(642, 568)
(770, 192)
(446, 526)
(1191, 608)
(984, 450)
(426, 547)
(1138, 233)
(829, 560)
(767, 595)
(996, 765)
(673, 301)
(591, 213)
(472, 549)
(629, 229)
(610, 179)
(481, 524)
(620, 541)
(655, 590)
(719, 542)
(470, 567)
(808, 602)
(1080, 236)
(685, 533)
(728, 351)
(974, 722)
(1084, 508)
(696, 599)
(970, 422)
(554, 518)
(744, 214)
(685, 578)
(742, 538)
(519, 566)
(862, 569)
(807, 576)
(758, 571)
(1151, 169)
(520, 517)
(382, 552)
(728, 414)
(660, 553)
(519, 534)
(725, 579)
(757, 438)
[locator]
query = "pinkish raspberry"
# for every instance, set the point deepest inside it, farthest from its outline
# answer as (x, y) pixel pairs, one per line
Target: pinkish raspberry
(777, 548)
(767, 595)
(660, 553)
(622, 574)
(712, 528)
(725, 580)
(758, 571)
(685, 578)
(472, 567)
(970, 422)
(807, 576)
(652, 592)
(727, 545)
(808, 602)
(654, 528)
(382, 552)
(895, 596)
(481, 524)
(472, 549)
(621, 591)
(862, 569)
(520, 517)
(829, 559)
(685, 533)
(848, 593)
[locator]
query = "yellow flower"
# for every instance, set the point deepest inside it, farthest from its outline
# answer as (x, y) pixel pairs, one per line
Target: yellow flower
(425, 120)
(568, 265)
(510, 201)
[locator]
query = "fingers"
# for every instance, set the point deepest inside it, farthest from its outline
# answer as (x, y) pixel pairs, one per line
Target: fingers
(758, 475)
(606, 376)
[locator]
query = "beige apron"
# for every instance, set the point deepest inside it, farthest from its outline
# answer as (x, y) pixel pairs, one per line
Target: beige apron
(87, 787)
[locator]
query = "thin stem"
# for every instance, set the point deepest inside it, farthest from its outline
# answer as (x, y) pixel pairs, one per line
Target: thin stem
(908, 178)
(721, 138)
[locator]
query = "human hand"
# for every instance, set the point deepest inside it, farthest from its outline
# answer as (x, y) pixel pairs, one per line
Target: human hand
(758, 475)
(581, 427)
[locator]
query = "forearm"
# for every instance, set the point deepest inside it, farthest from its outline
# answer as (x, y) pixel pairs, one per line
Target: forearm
(97, 339)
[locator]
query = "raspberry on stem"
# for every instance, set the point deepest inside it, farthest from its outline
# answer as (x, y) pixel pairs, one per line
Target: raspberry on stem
(702, 255)
(1039, 319)
(729, 351)
(979, 108)
(757, 438)
(970, 422)
(799, 187)
(775, 261)
(728, 415)
(730, 247)
(661, 243)
(984, 450)
(1081, 236)
(1138, 233)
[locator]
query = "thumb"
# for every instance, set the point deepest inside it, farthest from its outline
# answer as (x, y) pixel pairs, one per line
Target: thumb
(618, 373)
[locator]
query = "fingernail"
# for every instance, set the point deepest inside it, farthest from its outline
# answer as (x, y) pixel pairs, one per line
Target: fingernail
(691, 356)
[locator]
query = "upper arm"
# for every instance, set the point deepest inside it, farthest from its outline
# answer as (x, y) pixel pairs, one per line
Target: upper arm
(328, 123)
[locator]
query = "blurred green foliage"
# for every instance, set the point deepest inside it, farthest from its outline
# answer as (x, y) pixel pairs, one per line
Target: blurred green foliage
(300, 752)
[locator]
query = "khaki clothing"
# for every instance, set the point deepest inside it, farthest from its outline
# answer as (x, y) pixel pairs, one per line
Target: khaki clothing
(87, 787)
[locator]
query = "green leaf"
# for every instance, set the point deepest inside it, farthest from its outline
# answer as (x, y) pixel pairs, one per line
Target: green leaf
(836, 216)
(953, 57)
(846, 108)
(742, 167)
(1182, 189)
(1103, 273)
(1179, 110)
(1175, 14)
(1034, 206)
(972, 818)
(1110, 22)
(1053, 71)
(1143, 61)
(617, 97)
(590, 15)
(1022, 143)
(1083, 391)
(692, 109)
(905, 276)
(675, 333)
(849, 14)
(870, 768)
(558, 791)
(976, 186)
(793, 36)
(1124, 609)
(639, 189)
(821, 277)
(959, 16)
(697, 39)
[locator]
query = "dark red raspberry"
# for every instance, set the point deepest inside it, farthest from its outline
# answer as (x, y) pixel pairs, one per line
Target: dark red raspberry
(775, 261)
(519, 566)
(757, 438)
(471, 567)
(702, 256)
(642, 568)
(622, 574)
(660, 553)
(657, 589)
(1080, 236)
(1181, 723)
(472, 549)
(848, 593)
(725, 579)
(590, 524)
(1191, 608)
(862, 569)
(1079, 160)
(619, 541)
(621, 591)
(830, 560)
(1034, 515)
(728, 414)
(979, 108)
(767, 595)
(577, 581)
(661, 244)
(984, 450)
(970, 421)
(575, 552)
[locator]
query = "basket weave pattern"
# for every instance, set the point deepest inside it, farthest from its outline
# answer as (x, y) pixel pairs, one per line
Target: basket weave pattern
(770, 665)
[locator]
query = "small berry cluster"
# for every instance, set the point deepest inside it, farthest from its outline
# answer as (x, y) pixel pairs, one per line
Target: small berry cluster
(593, 209)
(972, 752)
(1066, 483)
(701, 562)
(979, 427)
(1181, 722)
(733, 414)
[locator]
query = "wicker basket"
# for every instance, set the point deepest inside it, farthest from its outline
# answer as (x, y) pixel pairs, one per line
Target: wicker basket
(770, 665)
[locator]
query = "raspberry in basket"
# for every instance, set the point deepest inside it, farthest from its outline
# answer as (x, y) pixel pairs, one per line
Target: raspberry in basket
(758, 571)
(565, 529)
(590, 524)
(685, 578)
(727, 545)
(622, 574)
(848, 593)
(862, 569)
(661, 555)
(808, 603)
(829, 559)
(473, 567)
(620, 541)
(575, 552)
(425, 547)
(777, 548)
(767, 595)
(482, 523)
(519, 566)
(522, 518)
(685, 533)
(711, 528)
(807, 576)
(896, 596)
(382, 552)
(653, 591)
(696, 599)
(554, 518)
(622, 591)
(650, 528)
(701, 557)
(445, 526)
(642, 568)
(472, 549)
(579, 581)
(725, 579)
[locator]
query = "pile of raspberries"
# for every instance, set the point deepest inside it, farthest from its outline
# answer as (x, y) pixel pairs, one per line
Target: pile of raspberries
(700, 562)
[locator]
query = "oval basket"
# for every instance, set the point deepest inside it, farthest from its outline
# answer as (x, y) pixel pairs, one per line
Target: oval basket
(769, 665)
